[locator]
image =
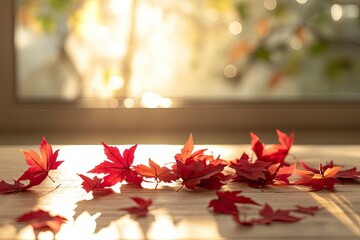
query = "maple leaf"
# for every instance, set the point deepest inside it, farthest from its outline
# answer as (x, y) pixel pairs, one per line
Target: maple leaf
(186, 150)
(199, 170)
(163, 174)
(141, 209)
(90, 184)
(275, 153)
(269, 215)
(260, 173)
(345, 175)
(226, 202)
(94, 185)
(284, 173)
(348, 175)
(187, 154)
(40, 166)
(41, 220)
(318, 179)
(307, 210)
(118, 167)
(193, 173)
(270, 175)
(215, 181)
(12, 188)
(245, 170)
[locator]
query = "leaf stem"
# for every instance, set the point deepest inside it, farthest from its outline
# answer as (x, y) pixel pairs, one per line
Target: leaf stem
(51, 178)
(182, 185)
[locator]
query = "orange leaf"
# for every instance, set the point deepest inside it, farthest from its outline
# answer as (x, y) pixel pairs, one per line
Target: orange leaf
(155, 171)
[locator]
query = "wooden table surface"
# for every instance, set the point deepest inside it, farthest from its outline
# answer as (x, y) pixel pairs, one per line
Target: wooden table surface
(175, 215)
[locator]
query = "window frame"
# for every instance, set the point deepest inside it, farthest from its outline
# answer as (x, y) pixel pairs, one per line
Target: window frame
(203, 117)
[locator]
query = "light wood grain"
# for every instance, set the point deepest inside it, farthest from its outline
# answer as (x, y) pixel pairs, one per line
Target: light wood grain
(175, 215)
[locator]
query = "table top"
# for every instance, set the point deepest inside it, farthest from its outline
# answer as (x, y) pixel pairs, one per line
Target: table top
(175, 215)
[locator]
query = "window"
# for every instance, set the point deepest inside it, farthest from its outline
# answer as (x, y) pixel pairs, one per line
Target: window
(164, 66)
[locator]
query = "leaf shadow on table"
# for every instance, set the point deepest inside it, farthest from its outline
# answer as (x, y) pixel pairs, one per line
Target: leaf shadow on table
(12, 206)
(107, 207)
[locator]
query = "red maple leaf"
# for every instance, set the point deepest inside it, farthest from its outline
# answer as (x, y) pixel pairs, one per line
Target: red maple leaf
(348, 175)
(345, 175)
(163, 174)
(283, 174)
(39, 167)
(215, 182)
(268, 215)
(141, 209)
(89, 184)
(226, 202)
(186, 151)
(12, 188)
(260, 173)
(307, 210)
(186, 156)
(94, 185)
(193, 172)
(245, 170)
(41, 220)
(275, 153)
(117, 167)
(197, 170)
(318, 178)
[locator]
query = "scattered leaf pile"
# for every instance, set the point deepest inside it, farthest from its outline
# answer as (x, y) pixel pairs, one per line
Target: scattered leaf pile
(191, 170)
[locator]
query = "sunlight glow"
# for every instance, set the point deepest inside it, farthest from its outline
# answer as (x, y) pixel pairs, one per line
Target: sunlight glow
(129, 102)
(336, 12)
(153, 100)
(163, 227)
(116, 82)
(7, 231)
(102, 32)
(127, 228)
(296, 43)
(207, 230)
(235, 28)
(82, 228)
(27, 233)
(302, 1)
(340, 211)
(230, 71)
(270, 4)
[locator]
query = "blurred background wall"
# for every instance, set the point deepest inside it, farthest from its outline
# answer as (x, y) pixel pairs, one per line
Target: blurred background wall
(154, 71)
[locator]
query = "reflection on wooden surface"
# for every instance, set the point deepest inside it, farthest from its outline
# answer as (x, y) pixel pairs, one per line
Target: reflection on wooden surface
(174, 215)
